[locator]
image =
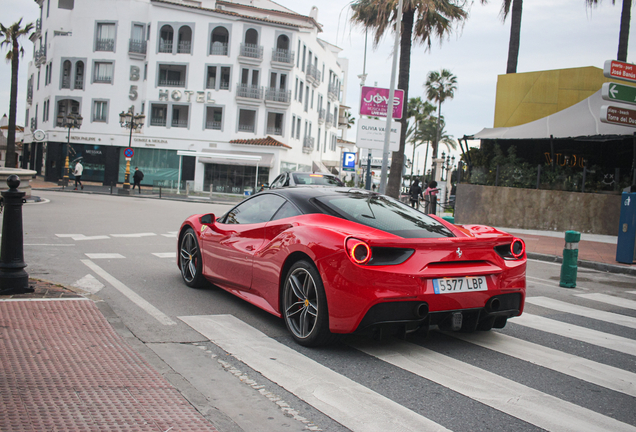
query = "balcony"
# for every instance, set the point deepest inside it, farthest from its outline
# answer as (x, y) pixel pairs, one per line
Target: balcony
(79, 84)
(216, 125)
(308, 144)
(179, 123)
(165, 46)
(250, 54)
(40, 56)
(105, 45)
(275, 95)
(321, 115)
(66, 83)
(330, 119)
(171, 83)
(249, 91)
(137, 46)
(313, 75)
(246, 128)
(184, 47)
(282, 58)
(158, 121)
(219, 48)
(103, 79)
(30, 95)
(334, 92)
(274, 131)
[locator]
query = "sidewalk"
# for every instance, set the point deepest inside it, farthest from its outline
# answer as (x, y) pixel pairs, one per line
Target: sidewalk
(63, 368)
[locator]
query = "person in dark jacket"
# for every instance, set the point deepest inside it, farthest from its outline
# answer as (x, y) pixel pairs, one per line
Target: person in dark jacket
(415, 194)
(138, 176)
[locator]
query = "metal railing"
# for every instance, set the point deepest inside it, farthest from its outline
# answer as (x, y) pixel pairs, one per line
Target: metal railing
(184, 47)
(308, 144)
(156, 121)
(219, 48)
(165, 46)
(79, 83)
(246, 128)
(252, 51)
(313, 72)
(283, 55)
(334, 91)
(249, 91)
(216, 125)
(171, 83)
(66, 82)
(137, 46)
(276, 95)
(321, 115)
(105, 45)
(271, 130)
(179, 123)
(330, 119)
(104, 79)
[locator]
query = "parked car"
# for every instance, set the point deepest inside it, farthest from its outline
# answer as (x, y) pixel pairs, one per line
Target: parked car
(287, 179)
(339, 260)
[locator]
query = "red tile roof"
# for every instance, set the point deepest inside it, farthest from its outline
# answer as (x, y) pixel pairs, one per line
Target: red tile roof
(269, 141)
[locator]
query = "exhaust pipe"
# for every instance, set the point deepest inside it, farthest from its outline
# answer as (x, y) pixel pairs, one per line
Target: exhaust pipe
(421, 310)
(494, 304)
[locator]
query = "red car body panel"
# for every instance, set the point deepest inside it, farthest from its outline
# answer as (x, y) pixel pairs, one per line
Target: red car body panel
(248, 261)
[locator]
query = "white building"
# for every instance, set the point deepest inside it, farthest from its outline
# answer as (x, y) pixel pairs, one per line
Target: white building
(244, 85)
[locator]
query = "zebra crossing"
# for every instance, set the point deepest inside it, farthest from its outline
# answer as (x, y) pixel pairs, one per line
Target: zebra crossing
(463, 375)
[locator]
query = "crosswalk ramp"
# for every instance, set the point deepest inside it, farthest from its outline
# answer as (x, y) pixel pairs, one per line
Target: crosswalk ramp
(521, 384)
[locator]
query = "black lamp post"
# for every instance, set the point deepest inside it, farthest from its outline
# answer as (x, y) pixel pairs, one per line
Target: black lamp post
(70, 121)
(128, 119)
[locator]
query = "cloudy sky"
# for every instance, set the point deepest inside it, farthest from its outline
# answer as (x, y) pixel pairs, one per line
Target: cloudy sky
(555, 34)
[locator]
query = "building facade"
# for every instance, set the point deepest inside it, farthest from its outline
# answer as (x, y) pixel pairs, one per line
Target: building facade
(232, 93)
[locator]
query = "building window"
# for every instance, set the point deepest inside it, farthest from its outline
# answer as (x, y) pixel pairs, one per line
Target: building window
(214, 118)
(218, 78)
(158, 114)
(304, 55)
(318, 141)
(137, 42)
(100, 111)
(298, 128)
(172, 75)
(185, 40)
(79, 76)
(249, 85)
(180, 115)
(250, 47)
(247, 120)
(300, 93)
(105, 40)
(306, 98)
(219, 42)
(66, 74)
(293, 126)
(275, 123)
(166, 36)
(103, 72)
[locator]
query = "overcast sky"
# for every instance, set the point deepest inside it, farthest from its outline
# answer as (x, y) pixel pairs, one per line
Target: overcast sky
(555, 34)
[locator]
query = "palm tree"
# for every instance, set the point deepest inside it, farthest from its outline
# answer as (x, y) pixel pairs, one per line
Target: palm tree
(515, 31)
(623, 36)
(12, 35)
(422, 20)
(439, 87)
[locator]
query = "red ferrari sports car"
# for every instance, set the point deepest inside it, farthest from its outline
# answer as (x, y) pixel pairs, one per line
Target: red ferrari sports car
(340, 260)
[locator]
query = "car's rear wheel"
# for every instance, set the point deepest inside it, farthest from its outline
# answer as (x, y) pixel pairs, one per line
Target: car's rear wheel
(305, 305)
(190, 260)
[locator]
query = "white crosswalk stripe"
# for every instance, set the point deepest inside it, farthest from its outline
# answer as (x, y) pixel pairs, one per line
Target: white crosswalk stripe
(570, 308)
(611, 300)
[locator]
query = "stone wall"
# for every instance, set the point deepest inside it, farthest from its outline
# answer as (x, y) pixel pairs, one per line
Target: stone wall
(537, 209)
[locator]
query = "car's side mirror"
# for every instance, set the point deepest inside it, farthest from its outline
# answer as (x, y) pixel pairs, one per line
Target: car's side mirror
(207, 219)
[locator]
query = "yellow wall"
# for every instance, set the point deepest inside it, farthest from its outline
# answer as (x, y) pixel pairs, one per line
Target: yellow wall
(525, 97)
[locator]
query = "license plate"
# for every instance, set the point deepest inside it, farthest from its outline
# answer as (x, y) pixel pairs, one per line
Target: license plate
(460, 284)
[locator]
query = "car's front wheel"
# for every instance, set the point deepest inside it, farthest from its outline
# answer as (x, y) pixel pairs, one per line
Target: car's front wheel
(190, 260)
(305, 305)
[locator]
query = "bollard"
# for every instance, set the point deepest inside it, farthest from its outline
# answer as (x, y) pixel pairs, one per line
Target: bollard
(570, 259)
(13, 278)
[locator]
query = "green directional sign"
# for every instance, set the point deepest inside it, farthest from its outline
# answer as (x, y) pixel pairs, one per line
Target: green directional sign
(619, 92)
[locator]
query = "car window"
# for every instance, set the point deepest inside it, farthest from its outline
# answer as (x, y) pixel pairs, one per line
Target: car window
(287, 210)
(277, 182)
(385, 214)
(259, 209)
(316, 179)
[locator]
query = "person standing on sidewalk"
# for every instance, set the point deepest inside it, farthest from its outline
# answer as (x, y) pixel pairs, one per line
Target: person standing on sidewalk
(138, 176)
(430, 195)
(77, 172)
(415, 194)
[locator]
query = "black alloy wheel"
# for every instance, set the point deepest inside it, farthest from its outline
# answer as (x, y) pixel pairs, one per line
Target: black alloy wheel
(190, 260)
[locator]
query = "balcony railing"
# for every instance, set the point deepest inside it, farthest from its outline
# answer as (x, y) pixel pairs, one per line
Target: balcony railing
(246, 128)
(283, 55)
(105, 45)
(38, 25)
(66, 82)
(275, 95)
(313, 72)
(171, 83)
(334, 91)
(219, 48)
(79, 84)
(179, 123)
(252, 51)
(165, 46)
(104, 79)
(308, 144)
(137, 46)
(330, 119)
(216, 125)
(225, 85)
(321, 115)
(184, 47)
(157, 121)
(271, 130)
(249, 91)
(40, 56)
(30, 95)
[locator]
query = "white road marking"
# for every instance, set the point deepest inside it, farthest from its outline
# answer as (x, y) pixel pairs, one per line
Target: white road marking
(171, 234)
(611, 300)
(631, 292)
(520, 401)
(80, 237)
(165, 254)
(614, 318)
(354, 406)
(133, 296)
(89, 283)
(133, 235)
(47, 244)
(587, 370)
(594, 337)
(550, 283)
(104, 255)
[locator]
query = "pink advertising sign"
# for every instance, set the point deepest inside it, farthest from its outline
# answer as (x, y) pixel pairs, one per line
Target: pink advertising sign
(374, 100)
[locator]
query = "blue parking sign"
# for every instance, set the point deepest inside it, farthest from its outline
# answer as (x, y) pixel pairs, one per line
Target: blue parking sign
(348, 161)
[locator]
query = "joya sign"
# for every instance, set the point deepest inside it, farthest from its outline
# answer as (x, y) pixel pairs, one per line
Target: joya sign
(374, 102)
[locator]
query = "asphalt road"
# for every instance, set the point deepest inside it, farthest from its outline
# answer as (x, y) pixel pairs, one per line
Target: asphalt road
(569, 363)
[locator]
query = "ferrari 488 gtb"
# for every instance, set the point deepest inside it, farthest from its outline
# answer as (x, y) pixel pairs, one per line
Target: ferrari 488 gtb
(339, 260)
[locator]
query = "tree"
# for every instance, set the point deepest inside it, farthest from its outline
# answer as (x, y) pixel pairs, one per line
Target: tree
(420, 111)
(12, 35)
(422, 21)
(515, 32)
(623, 36)
(439, 87)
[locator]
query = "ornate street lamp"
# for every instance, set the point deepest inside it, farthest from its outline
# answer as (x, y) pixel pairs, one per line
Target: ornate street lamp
(70, 121)
(130, 121)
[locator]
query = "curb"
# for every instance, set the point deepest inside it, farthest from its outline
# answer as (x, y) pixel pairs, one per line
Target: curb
(609, 268)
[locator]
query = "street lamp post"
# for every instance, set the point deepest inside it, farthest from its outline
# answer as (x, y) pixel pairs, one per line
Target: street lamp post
(130, 121)
(70, 121)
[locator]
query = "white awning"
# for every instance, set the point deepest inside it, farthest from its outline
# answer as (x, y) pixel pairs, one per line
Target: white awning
(236, 158)
(579, 120)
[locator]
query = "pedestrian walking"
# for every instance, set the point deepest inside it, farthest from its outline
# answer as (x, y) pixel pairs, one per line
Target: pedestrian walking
(77, 172)
(430, 196)
(138, 176)
(415, 193)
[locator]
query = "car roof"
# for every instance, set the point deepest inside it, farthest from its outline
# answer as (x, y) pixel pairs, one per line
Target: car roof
(300, 195)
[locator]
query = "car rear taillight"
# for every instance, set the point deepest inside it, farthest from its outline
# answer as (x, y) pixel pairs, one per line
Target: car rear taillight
(517, 248)
(358, 251)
